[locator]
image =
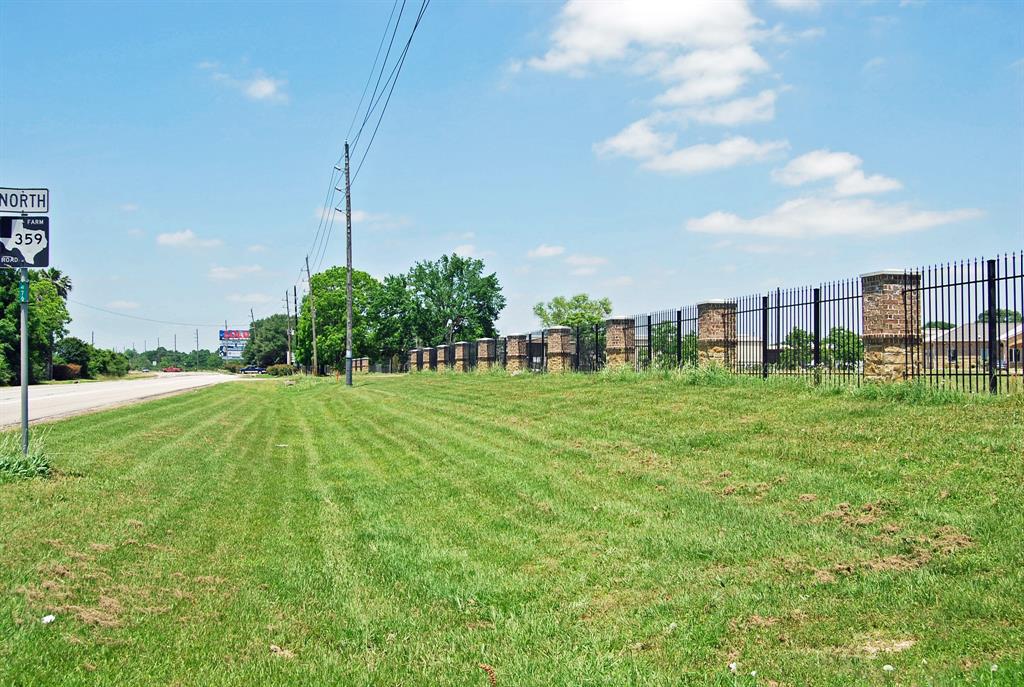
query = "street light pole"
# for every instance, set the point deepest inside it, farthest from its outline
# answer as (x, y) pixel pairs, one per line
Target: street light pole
(348, 273)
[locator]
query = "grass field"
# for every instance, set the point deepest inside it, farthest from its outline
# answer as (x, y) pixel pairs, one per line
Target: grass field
(574, 530)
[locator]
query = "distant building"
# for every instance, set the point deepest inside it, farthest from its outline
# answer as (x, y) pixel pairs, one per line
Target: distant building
(966, 347)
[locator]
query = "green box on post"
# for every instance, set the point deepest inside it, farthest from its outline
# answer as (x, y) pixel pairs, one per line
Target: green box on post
(23, 292)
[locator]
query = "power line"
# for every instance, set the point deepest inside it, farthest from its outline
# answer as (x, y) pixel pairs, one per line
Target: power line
(144, 319)
(397, 72)
(374, 67)
(383, 66)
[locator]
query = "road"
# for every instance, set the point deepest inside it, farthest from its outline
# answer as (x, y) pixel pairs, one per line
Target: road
(52, 401)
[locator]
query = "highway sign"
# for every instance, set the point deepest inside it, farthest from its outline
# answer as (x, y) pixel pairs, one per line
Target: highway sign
(24, 241)
(25, 201)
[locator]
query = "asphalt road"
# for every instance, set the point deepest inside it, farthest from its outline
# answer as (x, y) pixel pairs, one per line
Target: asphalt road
(52, 401)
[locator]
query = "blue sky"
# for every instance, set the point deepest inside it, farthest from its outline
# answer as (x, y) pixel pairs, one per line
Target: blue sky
(655, 153)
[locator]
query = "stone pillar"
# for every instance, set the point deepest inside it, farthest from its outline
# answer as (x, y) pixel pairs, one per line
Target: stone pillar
(559, 357)
(442, 361)
(485, 354)
(716, 333)
(461, 356)
(515, 354)
(891, 312)
(412, 360)
(619, 342)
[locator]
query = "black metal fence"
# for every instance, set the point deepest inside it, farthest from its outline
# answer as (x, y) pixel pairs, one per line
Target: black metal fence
(536, 351)
(666, 339)
(969, 333)
(587, 348)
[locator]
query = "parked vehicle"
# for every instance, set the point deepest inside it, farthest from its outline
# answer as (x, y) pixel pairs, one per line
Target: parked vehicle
(253, 370)
(172, 368)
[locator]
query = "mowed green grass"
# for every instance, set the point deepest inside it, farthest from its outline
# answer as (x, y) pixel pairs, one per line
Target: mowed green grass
(573, 530)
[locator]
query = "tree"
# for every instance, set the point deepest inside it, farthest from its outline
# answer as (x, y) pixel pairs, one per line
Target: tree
(329, 292)
(268, 342)
(48, 317)
(578, 311)
(842, 348)
(393, 324)
(664, 347)
(454, 299)
(797, 349)
(939, 324)
(1000, 315)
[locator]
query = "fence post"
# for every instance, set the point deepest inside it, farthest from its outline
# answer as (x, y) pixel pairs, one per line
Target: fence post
(558, 353)
(412, 359)
(442, 357)
(679, 338)
(764, 337)
(619, 342)
(716, 332)
(993, 329)
(515, 352)
(891, 314)
(817, 328)
(485, 351)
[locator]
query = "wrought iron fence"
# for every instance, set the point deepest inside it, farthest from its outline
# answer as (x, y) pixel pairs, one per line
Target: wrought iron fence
(970, 330)
(587, 348)
(666, 339)
(536, 351)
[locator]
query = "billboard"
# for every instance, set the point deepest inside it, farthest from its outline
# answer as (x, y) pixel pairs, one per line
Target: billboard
(232, 343)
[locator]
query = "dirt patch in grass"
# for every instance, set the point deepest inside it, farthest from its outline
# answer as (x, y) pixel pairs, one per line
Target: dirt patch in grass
(945, 541)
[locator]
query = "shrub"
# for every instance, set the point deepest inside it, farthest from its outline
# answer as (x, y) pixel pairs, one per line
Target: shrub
(280, 370)
(232, 366)
(66, 372)
(15, 465)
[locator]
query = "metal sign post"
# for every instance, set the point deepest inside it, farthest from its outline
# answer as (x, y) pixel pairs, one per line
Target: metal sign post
(23, 297)
(24, 243)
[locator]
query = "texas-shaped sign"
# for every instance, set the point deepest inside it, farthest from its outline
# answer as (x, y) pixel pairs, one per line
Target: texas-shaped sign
(24, 241)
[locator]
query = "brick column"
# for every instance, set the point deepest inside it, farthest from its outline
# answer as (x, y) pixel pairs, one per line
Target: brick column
(442, 362)
(485, 354)
(559, 357)
(891, 312)
(412, 360)
(515, 355)
(461, 356)
(716, 333)
(619, 342)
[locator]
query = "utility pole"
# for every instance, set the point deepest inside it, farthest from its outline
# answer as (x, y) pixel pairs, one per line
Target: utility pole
(92, 338)
(288, 327)
(312, 313)
(348, 273)
(175, 343)
(197, 350)
(295, 307)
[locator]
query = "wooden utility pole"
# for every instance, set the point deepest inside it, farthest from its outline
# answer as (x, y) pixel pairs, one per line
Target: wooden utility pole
(348, 273)
(197, 350)
(312, 316)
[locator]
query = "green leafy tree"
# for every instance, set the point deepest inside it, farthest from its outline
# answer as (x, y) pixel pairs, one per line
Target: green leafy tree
(842, 348)
(454, 299)
(939, 324)
(268, 342)
(797, 349)
(664, 347)
(329, 291)
(1000, 315)
(393, 322)
(578, 311)
(47, 320)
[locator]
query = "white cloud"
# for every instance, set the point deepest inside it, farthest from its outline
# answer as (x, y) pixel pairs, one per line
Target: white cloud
(714, 156)
(186, 239)
(590, 32)
(797, 5)
(637, 141)
(817, 217)
(620, 281)
(758, 108)
(546, 251)
(256, 86)
(584, 265)
(710, 73)
(874, 64)
(257, 248)
(221, 273)
(466, 250)
(843, 168)
(369, 220)
(250, 298)
(123, 305)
